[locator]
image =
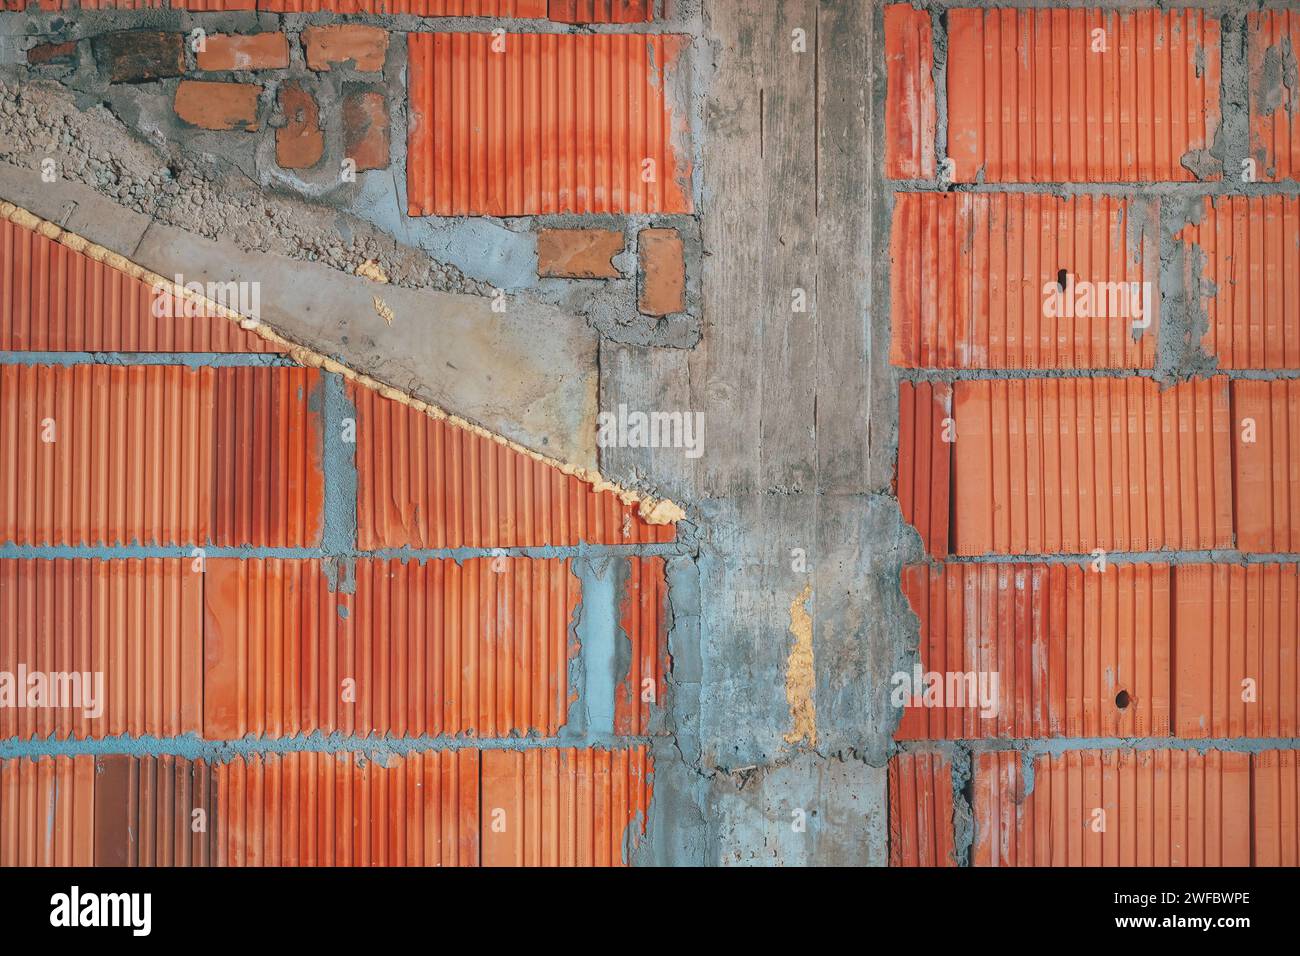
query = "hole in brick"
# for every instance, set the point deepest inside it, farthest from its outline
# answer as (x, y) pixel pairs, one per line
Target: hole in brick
(1122, 699)
(1061, 278)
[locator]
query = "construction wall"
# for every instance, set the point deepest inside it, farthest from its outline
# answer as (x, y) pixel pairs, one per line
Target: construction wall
(976, 324)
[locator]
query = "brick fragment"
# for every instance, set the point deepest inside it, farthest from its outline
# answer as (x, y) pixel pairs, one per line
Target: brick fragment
(663, 272)
(365, 127)
(338, 43)
(300, 143)
(218, 105)
(137, 56)
(578, 253)
(53, 54)
(254, 51)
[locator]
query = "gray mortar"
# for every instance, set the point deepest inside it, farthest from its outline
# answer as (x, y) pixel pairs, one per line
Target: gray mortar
(963, 817)
(1183, 315)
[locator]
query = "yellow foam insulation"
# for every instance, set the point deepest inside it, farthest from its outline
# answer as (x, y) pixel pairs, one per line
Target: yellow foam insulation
(383, 311)
(371, 269)
(653, 510)
(799, 673)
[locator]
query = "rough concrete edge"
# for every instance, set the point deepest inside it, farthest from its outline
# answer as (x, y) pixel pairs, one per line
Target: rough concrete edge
(653, 510)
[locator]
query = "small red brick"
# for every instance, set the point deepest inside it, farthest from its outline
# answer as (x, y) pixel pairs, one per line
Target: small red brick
(254, 51)
(300, 143)
(365, 127)
(218, 105)
(578, 253)
(138, 56)
(53, 54)
(663, 272)
(338, 43)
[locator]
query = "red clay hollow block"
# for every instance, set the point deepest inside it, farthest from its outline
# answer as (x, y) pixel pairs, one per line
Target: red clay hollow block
(58, 299)
(663, 272)
(1235, 644)
(909, 97)
(1113, 808)
(426, 483)
(549, 123)
(1034, 650)
(47, 811)
(1046, 466)
(144, 811)
(926, 431)
(1082, 95)
(512, 9)
(643, 618)
(1276, 807)
(267, 484)
(219, 106)
(253, 51)
(920, 811)
(1249, 248)
(136, 623)
(601, 11)
(1014, 280)
(578, 253)
(137, 56)
(365, 127)
(564, 806)
(1273, 36)
(1266, 464)
(336, 44)
(300, 142)
(321, 809)
(421, 649)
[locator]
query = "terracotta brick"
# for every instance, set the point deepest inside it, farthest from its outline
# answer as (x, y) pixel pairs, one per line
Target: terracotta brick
(601, 11)
(218, 105)
(365, 127)
(578, 253)
(136, 56)
(254, 51)
(909, 100)
(300, 143)
(53, 54)
(1113, 808)
(338, 43)
(663, 272)
(920, 811)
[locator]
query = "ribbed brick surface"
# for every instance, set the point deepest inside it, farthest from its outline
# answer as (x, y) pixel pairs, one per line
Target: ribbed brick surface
(426, 483)
(136, 623)
(923, 484)
(564, 807)
(551, 123)
(1266, 459)
(1045, 466)
(644, 617)
(416, 649)
(1235, 648)
(54, 298)
(1030, 100)
(909, 93)
(1114, 808)
(920, 811)
(1063, 643)
(976, 281)
(1271, 39)
(1245, 253)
